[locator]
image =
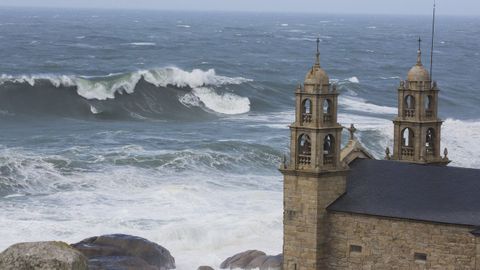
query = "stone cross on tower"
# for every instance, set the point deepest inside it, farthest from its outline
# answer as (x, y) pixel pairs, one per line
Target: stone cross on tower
(352, 131)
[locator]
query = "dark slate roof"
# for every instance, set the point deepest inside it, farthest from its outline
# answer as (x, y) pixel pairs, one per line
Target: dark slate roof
(409, 191)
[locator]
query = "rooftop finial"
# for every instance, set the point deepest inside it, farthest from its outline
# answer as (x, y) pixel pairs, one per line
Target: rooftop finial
(318, 52)
(419, 53)
(433, 40)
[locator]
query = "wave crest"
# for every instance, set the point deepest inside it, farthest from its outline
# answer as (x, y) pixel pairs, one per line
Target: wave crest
(202, 87)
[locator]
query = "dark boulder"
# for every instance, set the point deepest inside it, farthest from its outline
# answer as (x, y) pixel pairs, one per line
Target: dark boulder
(124, 252)
(253, 259)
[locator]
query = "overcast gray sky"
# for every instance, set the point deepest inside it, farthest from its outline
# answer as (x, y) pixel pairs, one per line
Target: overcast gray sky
(452, 7)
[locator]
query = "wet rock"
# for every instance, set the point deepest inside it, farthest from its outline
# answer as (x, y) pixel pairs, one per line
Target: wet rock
(205, 268)
(253, 259)
(272, 263)
(42, 256)
(241, 260)
(124, 252)
(119, 263)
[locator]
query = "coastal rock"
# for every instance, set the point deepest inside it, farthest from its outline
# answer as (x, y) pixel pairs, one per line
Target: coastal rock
(124, 252)
(42, 256)
(205, 268)
(253, 259)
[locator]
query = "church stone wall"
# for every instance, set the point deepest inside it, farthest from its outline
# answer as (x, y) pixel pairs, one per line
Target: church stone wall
(477, 263)
(305, 217)
(366, 242)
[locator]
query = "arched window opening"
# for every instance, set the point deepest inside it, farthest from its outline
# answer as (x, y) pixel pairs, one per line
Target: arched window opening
(304, 150)
(430, 142)
(408, 149)
(429, 106)
(327, 110)
(409, 106)
(307, 111)
(329, 150)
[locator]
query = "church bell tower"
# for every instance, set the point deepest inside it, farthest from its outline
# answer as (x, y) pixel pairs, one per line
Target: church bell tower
(417, 126)
(314, 177)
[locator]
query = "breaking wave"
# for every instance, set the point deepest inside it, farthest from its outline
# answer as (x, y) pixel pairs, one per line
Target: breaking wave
(144, 93)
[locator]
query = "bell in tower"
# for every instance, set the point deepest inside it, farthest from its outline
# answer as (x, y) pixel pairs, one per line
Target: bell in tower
(417, 126)
(314, 177)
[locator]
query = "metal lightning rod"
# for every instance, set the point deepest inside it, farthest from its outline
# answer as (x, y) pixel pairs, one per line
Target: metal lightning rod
(433, 36)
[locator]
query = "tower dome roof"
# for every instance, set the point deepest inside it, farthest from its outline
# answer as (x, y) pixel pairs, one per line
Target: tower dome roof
(316, 75)
(418, 73)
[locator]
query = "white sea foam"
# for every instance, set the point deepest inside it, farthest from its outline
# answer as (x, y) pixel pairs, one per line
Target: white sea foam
(165, 206)
(284, 24)
(183, 25)
(461, 138)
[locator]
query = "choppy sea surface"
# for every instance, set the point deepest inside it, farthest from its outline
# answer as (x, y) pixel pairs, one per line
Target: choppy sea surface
(171, 125)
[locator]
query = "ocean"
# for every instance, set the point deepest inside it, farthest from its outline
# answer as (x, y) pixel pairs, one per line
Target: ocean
(171, 125)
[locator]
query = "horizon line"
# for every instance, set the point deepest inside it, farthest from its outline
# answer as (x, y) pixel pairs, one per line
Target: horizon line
(229, 11)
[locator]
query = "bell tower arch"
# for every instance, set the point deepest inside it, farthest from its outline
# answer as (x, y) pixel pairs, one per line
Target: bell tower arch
(314, 177)
(417, 128)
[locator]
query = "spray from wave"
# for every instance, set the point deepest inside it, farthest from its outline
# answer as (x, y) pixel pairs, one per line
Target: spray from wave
(197, 88)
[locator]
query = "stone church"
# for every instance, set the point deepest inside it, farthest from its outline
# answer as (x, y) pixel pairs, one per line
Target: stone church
(345, 210)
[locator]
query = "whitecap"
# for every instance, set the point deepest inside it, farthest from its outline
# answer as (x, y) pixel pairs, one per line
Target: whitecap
(353, 80)
(224, 103)
(94, 110)
(296, 31)
(390, 78)
(284, 24)
(184, 26)
(6, 113)
(14, 196)
(302, 39)
(361, 105)
(143, 43)
(371, 27)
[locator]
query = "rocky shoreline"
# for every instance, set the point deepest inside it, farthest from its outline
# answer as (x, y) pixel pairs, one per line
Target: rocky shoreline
(115, 252)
